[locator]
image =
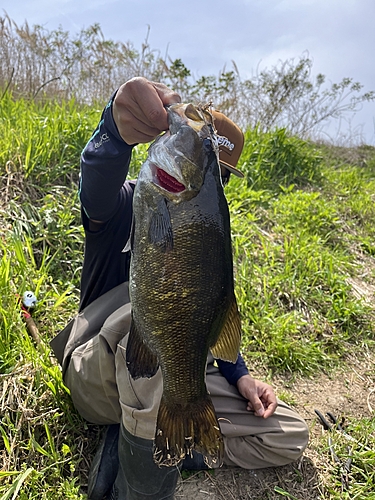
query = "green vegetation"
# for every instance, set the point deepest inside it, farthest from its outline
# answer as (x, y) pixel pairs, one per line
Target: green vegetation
(299, 231)
(303, 225)
(303, 230)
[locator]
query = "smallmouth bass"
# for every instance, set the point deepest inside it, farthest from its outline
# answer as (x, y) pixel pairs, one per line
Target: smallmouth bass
(181, 282)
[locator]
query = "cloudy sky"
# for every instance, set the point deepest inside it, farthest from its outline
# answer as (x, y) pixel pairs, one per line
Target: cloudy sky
(207, 35)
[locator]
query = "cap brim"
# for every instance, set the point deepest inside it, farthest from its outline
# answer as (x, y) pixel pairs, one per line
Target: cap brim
(231, 169)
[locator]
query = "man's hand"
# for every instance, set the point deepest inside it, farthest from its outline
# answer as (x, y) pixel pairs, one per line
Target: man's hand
(260, 396)
(138, 109)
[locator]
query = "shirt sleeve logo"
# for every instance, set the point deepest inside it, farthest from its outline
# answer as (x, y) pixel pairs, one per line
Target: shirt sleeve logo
(102, 139)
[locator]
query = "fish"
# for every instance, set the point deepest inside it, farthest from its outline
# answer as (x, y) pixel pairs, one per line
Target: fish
(181, 282)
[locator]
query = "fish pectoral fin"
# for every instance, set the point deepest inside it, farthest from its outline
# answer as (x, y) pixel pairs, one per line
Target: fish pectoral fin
(227, 345)
(160, 230)
(140, 360)
(130, 243)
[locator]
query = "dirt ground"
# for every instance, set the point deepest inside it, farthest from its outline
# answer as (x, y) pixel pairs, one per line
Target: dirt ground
(349, 393)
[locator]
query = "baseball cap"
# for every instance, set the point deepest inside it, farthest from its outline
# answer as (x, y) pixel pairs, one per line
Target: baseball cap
(230, 140)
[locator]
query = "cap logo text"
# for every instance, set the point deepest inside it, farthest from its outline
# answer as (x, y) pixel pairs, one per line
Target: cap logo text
(221, 140)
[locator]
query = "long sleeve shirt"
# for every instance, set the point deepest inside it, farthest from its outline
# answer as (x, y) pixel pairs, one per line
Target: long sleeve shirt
(106, 196)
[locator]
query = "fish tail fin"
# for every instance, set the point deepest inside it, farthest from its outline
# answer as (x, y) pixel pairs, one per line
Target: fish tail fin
(140, 360)
(182, 428)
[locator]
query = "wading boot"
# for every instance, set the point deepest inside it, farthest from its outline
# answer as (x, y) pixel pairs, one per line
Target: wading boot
(105, 464)
(139, 478)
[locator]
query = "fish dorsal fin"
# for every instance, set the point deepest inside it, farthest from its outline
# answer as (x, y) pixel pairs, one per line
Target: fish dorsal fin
(227, 345)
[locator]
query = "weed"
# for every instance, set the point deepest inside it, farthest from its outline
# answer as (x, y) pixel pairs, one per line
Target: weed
(302, 235)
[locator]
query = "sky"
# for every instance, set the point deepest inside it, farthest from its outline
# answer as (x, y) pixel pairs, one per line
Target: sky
(338, 35)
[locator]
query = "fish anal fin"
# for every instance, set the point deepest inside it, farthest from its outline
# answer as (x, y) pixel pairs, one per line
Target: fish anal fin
(227, 345)
(140, 360)
(182, 428)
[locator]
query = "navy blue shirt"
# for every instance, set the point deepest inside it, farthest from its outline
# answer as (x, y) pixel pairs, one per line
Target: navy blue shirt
(106, 197)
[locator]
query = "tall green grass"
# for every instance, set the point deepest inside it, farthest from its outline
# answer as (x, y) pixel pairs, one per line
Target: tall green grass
(303, 228)
(276, 159)
(44, 141)
(41, 247)
(295, 245)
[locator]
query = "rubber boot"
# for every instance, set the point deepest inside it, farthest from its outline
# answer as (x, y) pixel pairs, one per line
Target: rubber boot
(139, 478)
(105, 464)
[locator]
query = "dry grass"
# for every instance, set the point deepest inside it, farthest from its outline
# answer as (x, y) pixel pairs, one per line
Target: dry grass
(41, 64)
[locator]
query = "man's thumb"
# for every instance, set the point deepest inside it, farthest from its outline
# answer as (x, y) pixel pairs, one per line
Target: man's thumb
(258, 407)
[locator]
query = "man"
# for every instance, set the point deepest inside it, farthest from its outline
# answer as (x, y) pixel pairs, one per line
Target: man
(258, 430)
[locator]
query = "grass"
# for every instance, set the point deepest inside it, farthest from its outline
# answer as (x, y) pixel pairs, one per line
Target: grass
(295, 235)
(303, 227)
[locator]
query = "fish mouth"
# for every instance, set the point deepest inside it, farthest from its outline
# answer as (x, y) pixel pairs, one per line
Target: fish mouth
(166, 181)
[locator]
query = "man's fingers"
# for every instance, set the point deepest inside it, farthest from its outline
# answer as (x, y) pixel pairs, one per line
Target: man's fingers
(138, 132)
(149, 100)
(257, 405)
(270, 410)
(139, 111)
(147, 106)
(167, 95)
